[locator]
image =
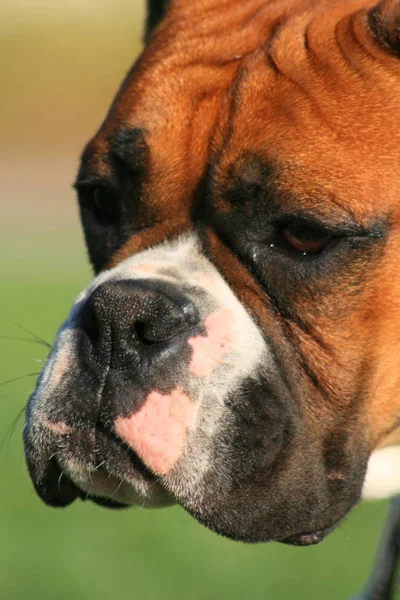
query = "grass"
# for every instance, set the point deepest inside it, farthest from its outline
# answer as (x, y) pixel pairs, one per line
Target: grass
(91, 553)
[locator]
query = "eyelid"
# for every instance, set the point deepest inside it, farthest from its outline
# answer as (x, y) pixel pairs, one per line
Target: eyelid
(344, 228)
(301, 229)
(90, 182)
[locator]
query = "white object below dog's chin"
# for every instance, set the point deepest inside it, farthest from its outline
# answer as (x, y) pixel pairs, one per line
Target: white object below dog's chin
(382, 479)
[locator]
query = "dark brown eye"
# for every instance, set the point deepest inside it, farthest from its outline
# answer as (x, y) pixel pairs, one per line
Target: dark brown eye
(302, 238)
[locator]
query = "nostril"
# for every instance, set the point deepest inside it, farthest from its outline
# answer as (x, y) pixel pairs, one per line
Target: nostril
(142, 333)
(149, 335)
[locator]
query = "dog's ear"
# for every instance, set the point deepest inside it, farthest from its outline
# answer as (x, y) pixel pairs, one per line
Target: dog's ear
(384, 24)
(155, 12)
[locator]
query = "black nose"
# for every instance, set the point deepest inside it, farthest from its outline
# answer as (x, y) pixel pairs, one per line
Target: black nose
(130, 320)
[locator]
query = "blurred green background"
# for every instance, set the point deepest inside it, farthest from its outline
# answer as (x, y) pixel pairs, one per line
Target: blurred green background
(60, 66)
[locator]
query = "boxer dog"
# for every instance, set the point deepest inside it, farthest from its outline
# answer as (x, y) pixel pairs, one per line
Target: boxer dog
(238, 349)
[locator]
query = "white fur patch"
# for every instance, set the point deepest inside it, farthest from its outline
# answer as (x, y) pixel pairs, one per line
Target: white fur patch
(383, 474)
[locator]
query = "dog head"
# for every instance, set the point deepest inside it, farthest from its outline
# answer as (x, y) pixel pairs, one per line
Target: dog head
(237, 351)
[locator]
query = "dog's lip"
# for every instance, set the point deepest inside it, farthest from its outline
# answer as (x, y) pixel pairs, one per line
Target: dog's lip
(53, 481)
(137, 463)
(67, 492)
(109, 486)
(108, 438)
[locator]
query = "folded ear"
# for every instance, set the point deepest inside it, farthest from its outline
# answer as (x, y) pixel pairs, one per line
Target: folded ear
(384, 24)
(155, 12)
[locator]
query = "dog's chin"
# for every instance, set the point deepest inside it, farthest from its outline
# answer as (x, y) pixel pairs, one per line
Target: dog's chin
(120, 479)
(63, 484)
(249, 535)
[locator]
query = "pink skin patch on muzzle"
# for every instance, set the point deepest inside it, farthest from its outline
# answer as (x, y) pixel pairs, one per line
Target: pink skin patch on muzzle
(157, 431)
(209, 350)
